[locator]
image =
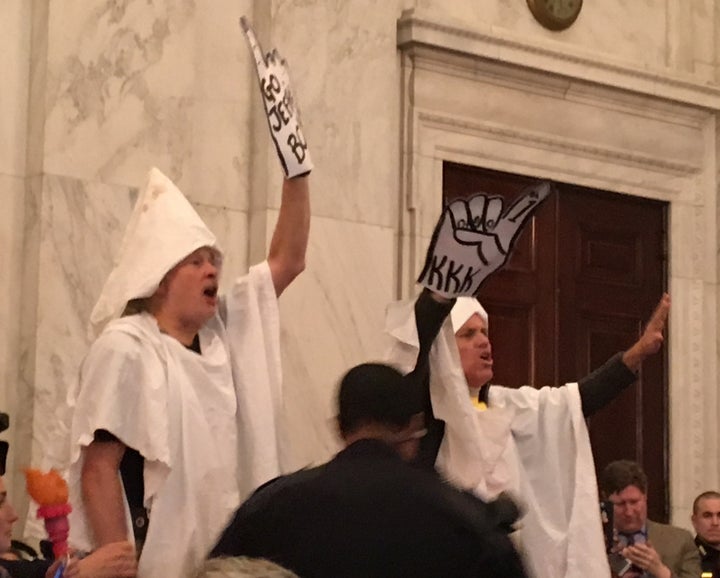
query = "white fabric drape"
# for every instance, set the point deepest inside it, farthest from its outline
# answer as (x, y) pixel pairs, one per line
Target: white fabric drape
(533, 443)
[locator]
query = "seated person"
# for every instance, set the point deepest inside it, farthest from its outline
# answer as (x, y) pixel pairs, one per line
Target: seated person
(112, 561)
(490, 439)
(655, 550)
(706, 521)
(367, 512)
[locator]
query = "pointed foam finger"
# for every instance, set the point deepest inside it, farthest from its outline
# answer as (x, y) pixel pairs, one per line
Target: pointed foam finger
(255, 47)
(526, 204)
(543, 190)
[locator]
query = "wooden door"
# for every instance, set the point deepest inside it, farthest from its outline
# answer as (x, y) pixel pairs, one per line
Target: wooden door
(584, 277)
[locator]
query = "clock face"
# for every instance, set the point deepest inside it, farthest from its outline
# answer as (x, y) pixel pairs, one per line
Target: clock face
(555, 14)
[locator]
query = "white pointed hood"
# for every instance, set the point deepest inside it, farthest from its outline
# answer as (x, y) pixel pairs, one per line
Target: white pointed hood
(464, 309)
(163, 229)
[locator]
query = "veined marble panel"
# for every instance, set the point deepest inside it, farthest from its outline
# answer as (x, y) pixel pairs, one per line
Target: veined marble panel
(123, 90)
(81, 226)
(688, 242)
(15, 22)
(14, 398)
(224, 70)
(23, 411)
(12, 193)
(693, 399)
(332, 319)
(217, 171)
(343, 58)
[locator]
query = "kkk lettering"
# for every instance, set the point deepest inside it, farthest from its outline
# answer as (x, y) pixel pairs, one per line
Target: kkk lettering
(449, 277)
(281, 109)
(473, 238)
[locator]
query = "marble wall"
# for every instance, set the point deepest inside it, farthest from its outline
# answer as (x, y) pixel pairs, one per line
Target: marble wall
(96, 92)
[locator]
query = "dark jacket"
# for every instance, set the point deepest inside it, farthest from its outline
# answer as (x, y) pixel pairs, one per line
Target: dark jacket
(26, 568)
(367, 514)
(709, 557)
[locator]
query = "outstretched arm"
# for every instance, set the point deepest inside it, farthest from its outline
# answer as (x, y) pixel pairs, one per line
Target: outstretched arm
(286, 257)
(613, 377)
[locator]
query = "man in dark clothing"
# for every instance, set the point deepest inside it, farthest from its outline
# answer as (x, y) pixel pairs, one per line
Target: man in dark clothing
(706, 521)
(367, 513)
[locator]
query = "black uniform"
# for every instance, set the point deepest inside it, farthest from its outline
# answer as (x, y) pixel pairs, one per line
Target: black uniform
(709, 558)
(25, 568)
(368, 514)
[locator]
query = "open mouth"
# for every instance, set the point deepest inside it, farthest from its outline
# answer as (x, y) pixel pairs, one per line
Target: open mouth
(211, 291)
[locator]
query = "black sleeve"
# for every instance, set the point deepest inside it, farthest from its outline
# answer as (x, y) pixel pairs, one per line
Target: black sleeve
(429, 317)
(132, 467)
(604, 384)
(250, 531)
(26, 568)
(244, 534)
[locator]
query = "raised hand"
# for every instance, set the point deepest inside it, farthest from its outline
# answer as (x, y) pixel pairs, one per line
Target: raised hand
(280, 107)
(645, 557)
(473, 238)
(652, 338)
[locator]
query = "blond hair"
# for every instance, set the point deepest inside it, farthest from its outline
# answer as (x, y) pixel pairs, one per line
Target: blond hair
(242, 567)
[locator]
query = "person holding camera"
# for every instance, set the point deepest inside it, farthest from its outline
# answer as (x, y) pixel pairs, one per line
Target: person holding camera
(651, 549)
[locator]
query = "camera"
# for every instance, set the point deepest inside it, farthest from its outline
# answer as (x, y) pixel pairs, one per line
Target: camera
(618, 564)
(4, 424)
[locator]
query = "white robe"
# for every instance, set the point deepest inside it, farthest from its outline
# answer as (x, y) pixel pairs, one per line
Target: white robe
(532, 443)
(206, 424)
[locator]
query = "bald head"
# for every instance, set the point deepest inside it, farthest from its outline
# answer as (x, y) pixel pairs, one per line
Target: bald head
(706, 517)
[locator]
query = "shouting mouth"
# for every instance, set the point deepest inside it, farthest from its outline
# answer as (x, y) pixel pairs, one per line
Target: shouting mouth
(210, 292)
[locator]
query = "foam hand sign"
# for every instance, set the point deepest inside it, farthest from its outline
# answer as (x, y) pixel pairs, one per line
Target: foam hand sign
(280, 106)
(473, 238)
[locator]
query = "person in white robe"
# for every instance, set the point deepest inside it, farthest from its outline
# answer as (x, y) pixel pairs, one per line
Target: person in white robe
(203, 417)
(179, 397)
(532, 443)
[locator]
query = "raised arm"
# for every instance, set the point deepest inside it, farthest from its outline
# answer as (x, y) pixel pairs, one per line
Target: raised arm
(431, 310)
(289, 242)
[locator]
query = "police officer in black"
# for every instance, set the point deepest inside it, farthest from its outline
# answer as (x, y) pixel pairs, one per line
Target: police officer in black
(706, 520)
